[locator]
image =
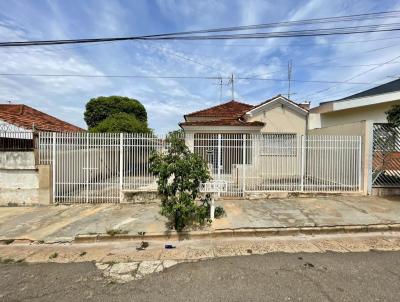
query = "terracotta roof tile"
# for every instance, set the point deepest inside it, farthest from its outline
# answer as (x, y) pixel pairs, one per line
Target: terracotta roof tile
(223, 122)
(25, 117)
(227, 110)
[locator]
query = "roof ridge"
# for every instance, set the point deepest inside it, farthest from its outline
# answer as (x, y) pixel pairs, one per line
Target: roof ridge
(277, 96)
(216, 106)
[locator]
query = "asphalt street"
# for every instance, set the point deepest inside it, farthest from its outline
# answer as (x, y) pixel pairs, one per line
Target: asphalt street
(370, 276)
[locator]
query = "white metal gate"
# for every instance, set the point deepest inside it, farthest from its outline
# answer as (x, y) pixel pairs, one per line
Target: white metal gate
(95, 168)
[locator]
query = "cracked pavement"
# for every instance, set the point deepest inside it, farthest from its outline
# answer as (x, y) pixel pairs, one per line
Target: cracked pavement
(369, 276)
(63, 223)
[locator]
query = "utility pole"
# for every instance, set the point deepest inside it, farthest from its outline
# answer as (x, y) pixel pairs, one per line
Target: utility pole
(289, 77)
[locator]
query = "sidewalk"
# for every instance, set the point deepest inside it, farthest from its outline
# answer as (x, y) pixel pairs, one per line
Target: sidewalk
(64, 223)
(123, 262)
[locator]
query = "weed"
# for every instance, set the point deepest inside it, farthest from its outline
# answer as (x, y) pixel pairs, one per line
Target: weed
(113, 232)
(82, 254)
(6, 260)
(53, 256)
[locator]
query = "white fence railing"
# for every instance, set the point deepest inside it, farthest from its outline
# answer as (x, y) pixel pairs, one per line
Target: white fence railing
(92, 167)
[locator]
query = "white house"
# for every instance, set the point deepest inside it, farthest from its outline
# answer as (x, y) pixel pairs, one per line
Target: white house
(369, 105)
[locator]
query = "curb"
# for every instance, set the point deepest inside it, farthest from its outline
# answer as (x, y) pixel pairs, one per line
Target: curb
(242, 232)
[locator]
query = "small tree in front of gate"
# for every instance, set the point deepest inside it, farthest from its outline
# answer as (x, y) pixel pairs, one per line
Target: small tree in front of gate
(180, 173)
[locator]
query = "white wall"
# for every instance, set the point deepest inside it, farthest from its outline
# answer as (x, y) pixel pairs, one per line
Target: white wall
(281, 119)
(373, 113)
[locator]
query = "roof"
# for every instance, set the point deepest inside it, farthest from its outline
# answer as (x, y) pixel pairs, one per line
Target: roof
(27, 117)
(224, 122)
(279, 96)
(381, 89)
(229, 110)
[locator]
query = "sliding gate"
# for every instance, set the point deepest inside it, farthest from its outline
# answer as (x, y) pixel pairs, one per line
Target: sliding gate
(98, 167)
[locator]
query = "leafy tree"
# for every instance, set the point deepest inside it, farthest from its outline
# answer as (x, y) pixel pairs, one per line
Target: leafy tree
(180, 173)
(121, 122)
(98, 109)
(393, 115)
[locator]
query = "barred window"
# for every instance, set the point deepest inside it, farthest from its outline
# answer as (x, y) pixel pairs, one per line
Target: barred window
(279, 144)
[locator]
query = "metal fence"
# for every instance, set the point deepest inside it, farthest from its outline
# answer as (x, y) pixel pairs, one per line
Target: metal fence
(100, 167)
(386, 156)
(282, 162)
(16, 141)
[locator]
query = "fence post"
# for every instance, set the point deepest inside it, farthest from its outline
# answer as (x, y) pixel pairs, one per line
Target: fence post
(87, 167)
(244, 165)
(121, 164)
(359, 162)
(54, 167)
(303, 149)
(219, 159)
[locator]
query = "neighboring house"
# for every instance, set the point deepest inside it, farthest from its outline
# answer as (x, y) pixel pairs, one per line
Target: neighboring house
(276, 115)
(369, 105)
(364, 114)
(22, 179)
(19, 117)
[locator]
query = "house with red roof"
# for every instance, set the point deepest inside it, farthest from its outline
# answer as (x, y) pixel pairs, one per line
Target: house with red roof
(21, 118)
(276, 115)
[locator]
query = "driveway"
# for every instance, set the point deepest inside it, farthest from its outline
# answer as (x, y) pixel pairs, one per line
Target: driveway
(63, 223)
(320, 211)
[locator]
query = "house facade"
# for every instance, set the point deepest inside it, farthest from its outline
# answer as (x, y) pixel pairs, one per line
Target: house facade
(22, 179)
(369, 105)
(276, 115)
(364, 114)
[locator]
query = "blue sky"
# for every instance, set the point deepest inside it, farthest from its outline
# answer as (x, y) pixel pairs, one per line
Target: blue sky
(335, 58)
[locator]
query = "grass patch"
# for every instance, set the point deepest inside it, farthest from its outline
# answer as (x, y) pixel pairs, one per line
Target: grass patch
(10, 260)
(82, 254)
(113, 232)
(53, 256)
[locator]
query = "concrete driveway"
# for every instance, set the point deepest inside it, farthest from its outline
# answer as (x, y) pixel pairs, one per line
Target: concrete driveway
(63, 223)
(320, 211)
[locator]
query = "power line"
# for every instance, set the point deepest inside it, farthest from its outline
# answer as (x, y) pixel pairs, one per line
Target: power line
(301, 44)
(177, 77)
(194, 35)
(353, 77)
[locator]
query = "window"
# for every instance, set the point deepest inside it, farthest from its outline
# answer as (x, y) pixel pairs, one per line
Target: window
(279, 144)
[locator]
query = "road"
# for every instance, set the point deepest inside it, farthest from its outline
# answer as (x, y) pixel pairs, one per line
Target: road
(371, 276)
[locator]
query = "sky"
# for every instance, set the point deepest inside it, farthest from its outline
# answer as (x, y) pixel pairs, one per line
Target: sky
(333, 58)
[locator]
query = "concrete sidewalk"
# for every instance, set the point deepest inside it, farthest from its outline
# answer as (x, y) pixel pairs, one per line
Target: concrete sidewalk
(64, 223)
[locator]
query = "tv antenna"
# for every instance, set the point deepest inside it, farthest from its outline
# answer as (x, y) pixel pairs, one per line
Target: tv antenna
(231, 82)
(289, 77)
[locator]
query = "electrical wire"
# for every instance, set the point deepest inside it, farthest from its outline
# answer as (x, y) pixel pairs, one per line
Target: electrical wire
(194, 35)
(176, 77)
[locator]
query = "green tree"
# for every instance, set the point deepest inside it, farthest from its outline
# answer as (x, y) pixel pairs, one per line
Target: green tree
(98, 109)
(393, 115)
(121, 122)
(180, 173)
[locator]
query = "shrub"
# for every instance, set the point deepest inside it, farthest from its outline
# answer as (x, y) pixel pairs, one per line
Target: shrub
(180, 173)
